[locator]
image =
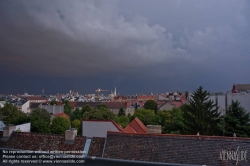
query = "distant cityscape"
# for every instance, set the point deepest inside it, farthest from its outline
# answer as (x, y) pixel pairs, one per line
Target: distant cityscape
(165, 101)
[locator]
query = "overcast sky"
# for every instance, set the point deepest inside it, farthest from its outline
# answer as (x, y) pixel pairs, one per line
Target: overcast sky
(138, 46)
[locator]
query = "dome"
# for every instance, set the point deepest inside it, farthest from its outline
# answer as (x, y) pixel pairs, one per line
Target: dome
(234, 90)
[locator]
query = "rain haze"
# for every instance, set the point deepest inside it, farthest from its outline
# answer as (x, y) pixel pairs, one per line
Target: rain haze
(137, 46)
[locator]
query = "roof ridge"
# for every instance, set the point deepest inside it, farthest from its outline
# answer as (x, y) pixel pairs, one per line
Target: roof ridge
(136, 119)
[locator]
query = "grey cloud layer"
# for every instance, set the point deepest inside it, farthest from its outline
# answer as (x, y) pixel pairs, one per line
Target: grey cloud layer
(167, 38)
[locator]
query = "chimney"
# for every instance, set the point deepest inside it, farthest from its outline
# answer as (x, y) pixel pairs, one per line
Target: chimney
(154, 129)
(70, 135)
(7, 131)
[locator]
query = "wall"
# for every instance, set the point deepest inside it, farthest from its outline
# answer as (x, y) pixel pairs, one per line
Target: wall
(97, 129)
(54, 109)
(242, 97)
(130, 111)
(166, 106)
(26, 107)
(220, 100)
(24, 127)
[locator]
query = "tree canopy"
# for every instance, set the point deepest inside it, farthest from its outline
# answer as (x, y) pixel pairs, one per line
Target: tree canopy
(148, 117)
(99, 114)
(121, 112)
(53, 102)
(11, 115)
(76, 124)
(122, 121)
(237, 121)
(67, 107)
(151, 105)
(172, 121)
(201, 115)
(40, 120)
(59, 125)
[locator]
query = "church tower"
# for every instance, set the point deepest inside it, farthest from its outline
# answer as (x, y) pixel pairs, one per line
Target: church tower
(115, 92)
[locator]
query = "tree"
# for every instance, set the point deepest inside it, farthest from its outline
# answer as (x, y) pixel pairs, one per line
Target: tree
(40, 113)
(86, 108)
(201, 115)
(12, 115)
(77, 114)
(121, 112)
(59, 125)
(136, 106)
(122, 121)
(40, 120)
(67, 107)
(172, 121)
(151, 105)
(19, 130)
(53, 102)
(101, 105)
(237, 120)
(99, 114)
(40, 126)
(147, 117)
(76, 124)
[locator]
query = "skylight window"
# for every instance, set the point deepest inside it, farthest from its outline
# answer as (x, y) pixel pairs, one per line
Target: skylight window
(86, 147)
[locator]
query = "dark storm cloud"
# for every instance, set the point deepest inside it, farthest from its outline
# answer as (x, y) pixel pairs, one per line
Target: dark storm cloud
(175, 42)
(77, 37)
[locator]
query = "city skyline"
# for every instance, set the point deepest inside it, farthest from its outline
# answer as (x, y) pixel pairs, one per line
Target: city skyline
(137, 46)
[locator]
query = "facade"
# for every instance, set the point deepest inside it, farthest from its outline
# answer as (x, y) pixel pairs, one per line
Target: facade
(23, 127)
(99, 128)
(166, 106)
(220, 100)
(34, 99)
(242, 97)
(23, 106)
(53, 109)
(2, 103)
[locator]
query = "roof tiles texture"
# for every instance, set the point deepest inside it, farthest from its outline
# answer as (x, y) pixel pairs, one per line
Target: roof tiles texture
(137, 126)
(181, 149)
(129, 129)
(96, 148)
(43, 142)
(62, 115)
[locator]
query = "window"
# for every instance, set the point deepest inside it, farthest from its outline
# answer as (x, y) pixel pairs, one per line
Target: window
(86, 147)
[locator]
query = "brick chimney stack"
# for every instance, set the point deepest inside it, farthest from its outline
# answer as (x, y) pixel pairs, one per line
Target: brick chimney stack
(154, 129)
(7, 131)
(70, 135)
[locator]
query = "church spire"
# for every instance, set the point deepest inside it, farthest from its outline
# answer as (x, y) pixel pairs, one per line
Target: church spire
(115, 92)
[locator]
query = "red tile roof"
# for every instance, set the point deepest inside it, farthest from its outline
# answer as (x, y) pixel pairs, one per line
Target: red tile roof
(115, 105)
(137, 126)
(129, 129)
(34, 98)
(120, 98)
(176, 103)
(183, 98)
(72, 104)
(62, 115)
(145, 97)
